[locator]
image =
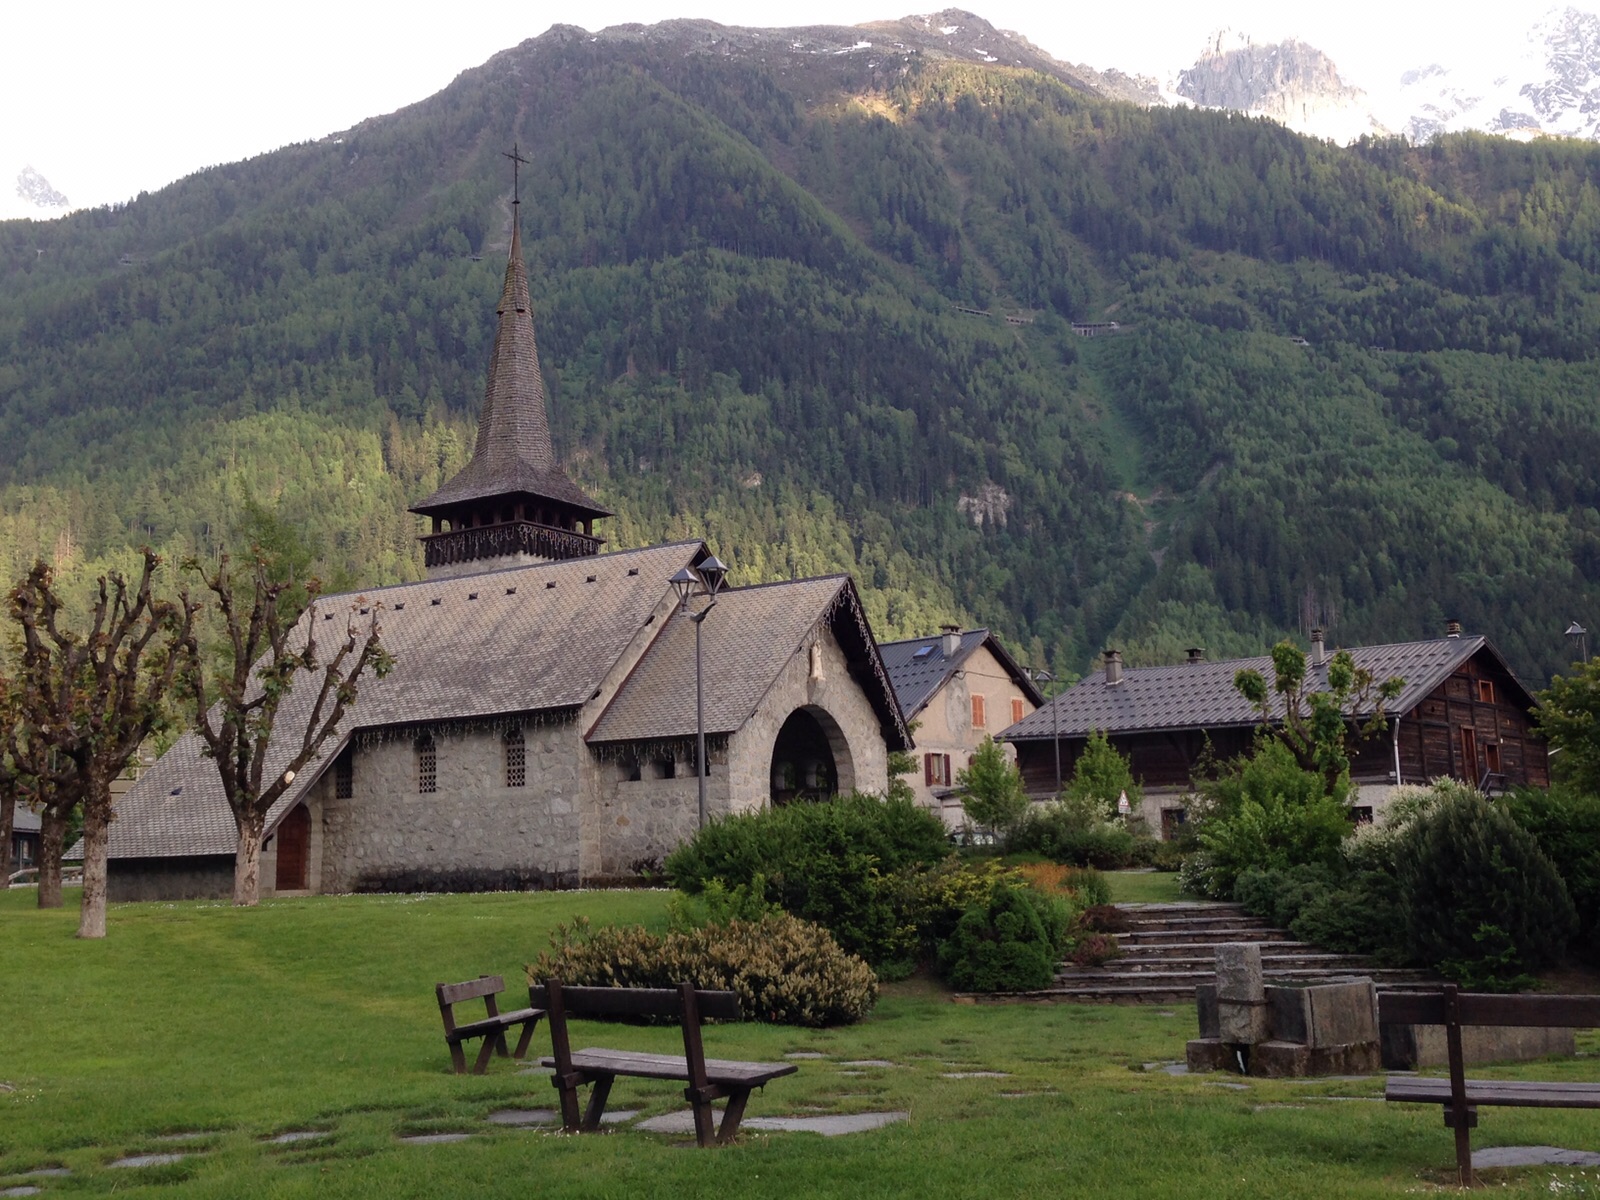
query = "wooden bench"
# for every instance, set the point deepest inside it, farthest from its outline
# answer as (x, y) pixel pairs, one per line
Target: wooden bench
(708, 1079)
(492, 1028)
(1460, 1096)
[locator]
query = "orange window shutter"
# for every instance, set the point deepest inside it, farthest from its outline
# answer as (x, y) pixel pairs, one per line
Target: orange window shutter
(1016, 711)
(978, 721)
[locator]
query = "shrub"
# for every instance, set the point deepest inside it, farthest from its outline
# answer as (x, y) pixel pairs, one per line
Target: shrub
(1280, 894)
(1001, 946)
(1056, 831)
(1567, 826)
(1095, 949)
(1266, 812)
(1363, 915)
(833, 862)
(783, 969)
(1105, 918)
(933, 901)
(1480, 900)
(718, 904)
(1101, 776)
(1085, 886)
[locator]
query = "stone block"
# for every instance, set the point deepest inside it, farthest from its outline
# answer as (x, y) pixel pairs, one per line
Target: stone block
(1208, 1054)
(1205, 1000)
(1325, 1014)
(1242, 1022)
(1239, 975)
(1415, 1047)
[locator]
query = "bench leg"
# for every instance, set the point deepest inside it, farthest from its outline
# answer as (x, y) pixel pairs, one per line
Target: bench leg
(458, 1060)
(489, 1042)
(705, 1117)
(527, 1036)
(1462, 1124)
(732, 1116)
(569, 1102)
(597, 1103)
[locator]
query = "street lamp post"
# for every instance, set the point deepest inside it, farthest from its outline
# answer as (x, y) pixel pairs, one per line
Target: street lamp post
(705, 580)
(1042, 676)
(1580, 640)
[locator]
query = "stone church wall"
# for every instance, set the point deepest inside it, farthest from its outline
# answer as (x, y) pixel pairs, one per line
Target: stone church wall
(639, 821)
(472, 834)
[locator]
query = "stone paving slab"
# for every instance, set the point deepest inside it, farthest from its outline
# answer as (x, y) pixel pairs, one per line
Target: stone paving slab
(44, 1173)
(148, 1160)
(1533, 1156)
(434, 1139)
(805, 1054)
(869, 1062)
(520, 1117)
(25, 1189)
(298, 1135)
(832, 1126)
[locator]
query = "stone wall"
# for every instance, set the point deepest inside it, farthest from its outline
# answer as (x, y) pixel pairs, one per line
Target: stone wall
(473, 834)
(200, 877)
(636, 821)
(836, 699)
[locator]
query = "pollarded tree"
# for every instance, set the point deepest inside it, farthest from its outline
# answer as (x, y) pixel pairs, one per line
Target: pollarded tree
(236, 706)
(1318, 724)
(83, 702)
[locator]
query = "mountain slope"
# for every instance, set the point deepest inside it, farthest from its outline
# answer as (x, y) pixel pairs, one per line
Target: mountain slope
(760, 269)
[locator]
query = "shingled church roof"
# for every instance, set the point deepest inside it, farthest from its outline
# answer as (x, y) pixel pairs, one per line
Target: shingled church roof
(513, 452)
(748, 640)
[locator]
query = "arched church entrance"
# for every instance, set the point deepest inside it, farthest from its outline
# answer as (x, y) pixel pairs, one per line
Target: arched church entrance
(810, 758)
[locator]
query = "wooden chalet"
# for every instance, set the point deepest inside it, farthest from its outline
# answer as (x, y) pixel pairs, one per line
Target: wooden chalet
(1462, 714)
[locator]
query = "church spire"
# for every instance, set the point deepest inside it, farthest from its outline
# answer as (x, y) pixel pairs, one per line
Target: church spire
(512, 503)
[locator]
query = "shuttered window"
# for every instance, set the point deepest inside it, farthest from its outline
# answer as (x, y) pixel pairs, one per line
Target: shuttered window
(516, 759)
(1016, 710)
(427, 765)
(979, 716)
(936, 769)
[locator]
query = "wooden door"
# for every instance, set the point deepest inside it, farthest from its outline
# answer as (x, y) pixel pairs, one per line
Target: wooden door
(294, 850)
(1469, 755)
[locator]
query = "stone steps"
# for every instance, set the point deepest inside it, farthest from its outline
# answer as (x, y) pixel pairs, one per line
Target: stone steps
(1171, 948)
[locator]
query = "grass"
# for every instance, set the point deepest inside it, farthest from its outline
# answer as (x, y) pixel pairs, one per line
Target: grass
(236, 1025)
(1128, 887)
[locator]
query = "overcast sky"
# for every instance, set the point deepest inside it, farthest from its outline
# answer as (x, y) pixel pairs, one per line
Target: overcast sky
(106, 98)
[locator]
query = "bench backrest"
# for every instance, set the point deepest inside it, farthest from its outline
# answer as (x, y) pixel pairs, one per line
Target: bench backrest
(487, 986)
(634, 1002)
(684, 1002)
(1451, 1006)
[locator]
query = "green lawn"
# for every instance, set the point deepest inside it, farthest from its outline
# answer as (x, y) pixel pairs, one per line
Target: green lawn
(1128, 887)
(319, 1014)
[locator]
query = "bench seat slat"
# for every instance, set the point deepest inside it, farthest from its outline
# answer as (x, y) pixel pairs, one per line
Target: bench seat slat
(1501, 1093)
(493, 1024)
(674, 1066)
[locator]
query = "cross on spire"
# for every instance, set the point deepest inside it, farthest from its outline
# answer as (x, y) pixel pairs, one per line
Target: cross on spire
(516, 162)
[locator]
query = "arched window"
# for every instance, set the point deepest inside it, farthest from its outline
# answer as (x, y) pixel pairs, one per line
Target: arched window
(427, 764)
(516, 759)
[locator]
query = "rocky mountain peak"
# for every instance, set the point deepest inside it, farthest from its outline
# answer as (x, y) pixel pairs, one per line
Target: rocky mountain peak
(1289, 81)
(35, 190)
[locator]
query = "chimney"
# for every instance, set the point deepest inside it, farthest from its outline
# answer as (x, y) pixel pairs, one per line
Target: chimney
(1319, 652)
(1113, 666)
(1452, 629)
(952, 639)
(1197, 654)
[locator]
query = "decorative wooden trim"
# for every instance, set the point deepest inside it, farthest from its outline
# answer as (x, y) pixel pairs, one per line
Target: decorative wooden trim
(507, 538)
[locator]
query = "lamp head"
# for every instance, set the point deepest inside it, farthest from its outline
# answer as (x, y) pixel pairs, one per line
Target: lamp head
(683, 582)
(713, 574)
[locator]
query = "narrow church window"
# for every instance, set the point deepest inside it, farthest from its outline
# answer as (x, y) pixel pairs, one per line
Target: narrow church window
(427, 765)
(632, 770)
(344, 776)
(516, 759)
(666, 768)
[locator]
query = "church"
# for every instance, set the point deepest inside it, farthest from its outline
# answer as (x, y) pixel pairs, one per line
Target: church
(539, 728)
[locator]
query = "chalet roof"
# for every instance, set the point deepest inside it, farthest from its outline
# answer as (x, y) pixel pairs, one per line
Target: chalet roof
(534, 639)
(1201, 695)
(918, 667)
(25, 820)
(748, 640)
(513, 453)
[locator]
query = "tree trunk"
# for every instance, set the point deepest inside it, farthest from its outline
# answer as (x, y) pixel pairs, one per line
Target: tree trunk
(52, 841)
(247, 862)
(96, 828)
(8, 809)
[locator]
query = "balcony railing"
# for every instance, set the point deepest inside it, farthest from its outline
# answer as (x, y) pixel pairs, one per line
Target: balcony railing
(499, 541)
